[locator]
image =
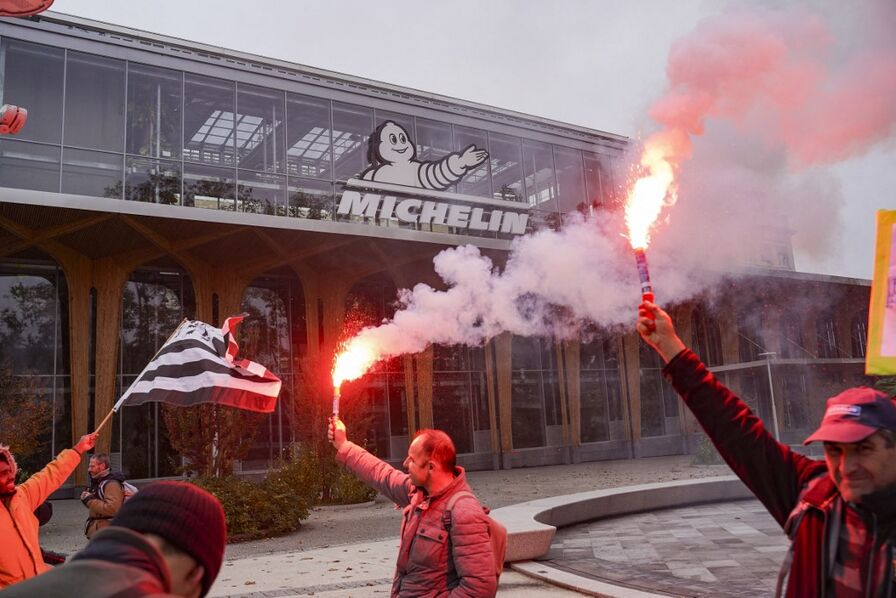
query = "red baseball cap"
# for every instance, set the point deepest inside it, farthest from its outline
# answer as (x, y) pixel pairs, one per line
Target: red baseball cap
(854, 415)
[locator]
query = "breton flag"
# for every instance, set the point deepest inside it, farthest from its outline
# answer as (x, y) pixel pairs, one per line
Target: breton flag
(198, 364)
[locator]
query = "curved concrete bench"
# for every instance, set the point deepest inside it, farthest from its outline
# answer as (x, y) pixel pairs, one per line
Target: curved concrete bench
(531, 525)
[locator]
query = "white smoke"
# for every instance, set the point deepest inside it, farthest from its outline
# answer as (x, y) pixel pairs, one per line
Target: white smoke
(759, 100)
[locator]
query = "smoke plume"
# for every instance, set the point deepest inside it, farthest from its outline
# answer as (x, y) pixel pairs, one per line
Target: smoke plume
(758, 102)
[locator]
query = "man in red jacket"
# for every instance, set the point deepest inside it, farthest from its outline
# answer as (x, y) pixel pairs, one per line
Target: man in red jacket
(432, 561)
(840, 514)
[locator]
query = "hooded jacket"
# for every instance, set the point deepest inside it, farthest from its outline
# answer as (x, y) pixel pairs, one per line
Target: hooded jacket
(796, 490)
(432, 562)
(20, 556)
(118, 562)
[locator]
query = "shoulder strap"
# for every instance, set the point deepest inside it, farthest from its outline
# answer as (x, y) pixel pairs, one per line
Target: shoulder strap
(446, 514)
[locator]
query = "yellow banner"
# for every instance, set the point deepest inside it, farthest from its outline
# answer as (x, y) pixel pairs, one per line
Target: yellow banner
(881, 355)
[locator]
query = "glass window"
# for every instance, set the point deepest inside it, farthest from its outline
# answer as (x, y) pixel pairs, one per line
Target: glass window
(826, 331)
(433, 140)
(475, 182)
(94, 102)
(538, 167)
(310, 199)
(570, 179)
(32, 78)
(92, 173)
(601, 180)
(153, 304)
(707, 338)
(308, 137)
(208, 187)
(209, 120)
(792, 335)
(260, 128)
(155, 104)
(859, 333)
(658, 398)
(154, 181)
(398, 404)
(26, 165)
(262, 193)
(527, 392)
(451, 409)
(33, 367)
(601, 389)
(506, 164)
(352, 126)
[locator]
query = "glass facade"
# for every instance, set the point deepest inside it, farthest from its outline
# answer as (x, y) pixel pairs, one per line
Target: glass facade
(105, 127)
(535, 393)
(602, 411)
(35, 406)
(459, 396)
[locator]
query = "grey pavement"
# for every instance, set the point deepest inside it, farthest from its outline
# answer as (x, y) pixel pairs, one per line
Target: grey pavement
(351, 552)
(726, 549)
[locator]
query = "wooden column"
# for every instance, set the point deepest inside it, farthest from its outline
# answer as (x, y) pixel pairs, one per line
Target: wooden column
(632, 380)
(108, 280)
(572, 351)
(424, 361)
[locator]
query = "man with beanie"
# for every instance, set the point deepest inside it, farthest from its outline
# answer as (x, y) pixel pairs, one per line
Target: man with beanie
(168, 540)
(20, 555)
(840, 513)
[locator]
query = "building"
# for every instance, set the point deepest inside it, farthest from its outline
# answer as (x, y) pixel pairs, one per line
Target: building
(158, 179)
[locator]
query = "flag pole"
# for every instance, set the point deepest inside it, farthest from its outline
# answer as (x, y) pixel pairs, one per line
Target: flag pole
(140, 375)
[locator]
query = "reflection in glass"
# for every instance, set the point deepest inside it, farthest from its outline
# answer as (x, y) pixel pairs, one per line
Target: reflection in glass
(154, 302)
(92, 173)
(476, 182)
(600, 180)
(260, 130)
(352, 126)
(505, 158)
(659, 403)
(94, 102)
(209, 120)
(261, 193)
(601, 389)
(538, 166)
(535, 396)
(153, 181)
(398, 404)
(154, 111)
(26, 165)
(33, 364)
(308, 136)
(32, 77)
(208, 187)
(570, 179)
(451, 409)
(310, 199)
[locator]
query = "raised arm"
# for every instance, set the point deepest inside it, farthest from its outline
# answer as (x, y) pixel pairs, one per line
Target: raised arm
(773, 472)
(374, 472)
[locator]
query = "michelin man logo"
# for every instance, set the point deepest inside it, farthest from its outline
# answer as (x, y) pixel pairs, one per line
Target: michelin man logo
(393, 159)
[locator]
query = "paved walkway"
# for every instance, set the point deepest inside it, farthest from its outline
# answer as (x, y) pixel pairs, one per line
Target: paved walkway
(727, 549)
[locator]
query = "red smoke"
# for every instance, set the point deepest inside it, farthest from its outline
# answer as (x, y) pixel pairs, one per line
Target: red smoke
(789, 77)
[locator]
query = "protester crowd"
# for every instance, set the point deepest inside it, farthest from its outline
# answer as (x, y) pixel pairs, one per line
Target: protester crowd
(168, 538)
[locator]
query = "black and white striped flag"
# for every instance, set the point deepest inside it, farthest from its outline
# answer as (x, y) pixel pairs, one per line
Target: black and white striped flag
(198, 364)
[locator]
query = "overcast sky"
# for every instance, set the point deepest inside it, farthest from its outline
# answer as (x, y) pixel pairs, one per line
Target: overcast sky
(594, 63)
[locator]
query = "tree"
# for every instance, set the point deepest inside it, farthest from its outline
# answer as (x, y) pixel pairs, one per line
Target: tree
(25, 418)
(211, 437)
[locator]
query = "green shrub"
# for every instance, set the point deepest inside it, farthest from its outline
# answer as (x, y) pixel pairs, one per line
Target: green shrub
(274, 507)
(347, 489)
(706, 453)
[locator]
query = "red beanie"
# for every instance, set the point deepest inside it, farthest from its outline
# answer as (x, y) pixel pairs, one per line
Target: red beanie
(185, 515)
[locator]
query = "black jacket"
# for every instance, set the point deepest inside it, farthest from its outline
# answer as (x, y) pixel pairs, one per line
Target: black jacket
(117, 563)
(783, 480)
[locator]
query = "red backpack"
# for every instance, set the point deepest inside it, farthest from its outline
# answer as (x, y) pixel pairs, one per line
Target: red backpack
(497, 533)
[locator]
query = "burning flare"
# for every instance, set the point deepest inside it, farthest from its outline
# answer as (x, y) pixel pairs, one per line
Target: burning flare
(650, 192)
(354, 360)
